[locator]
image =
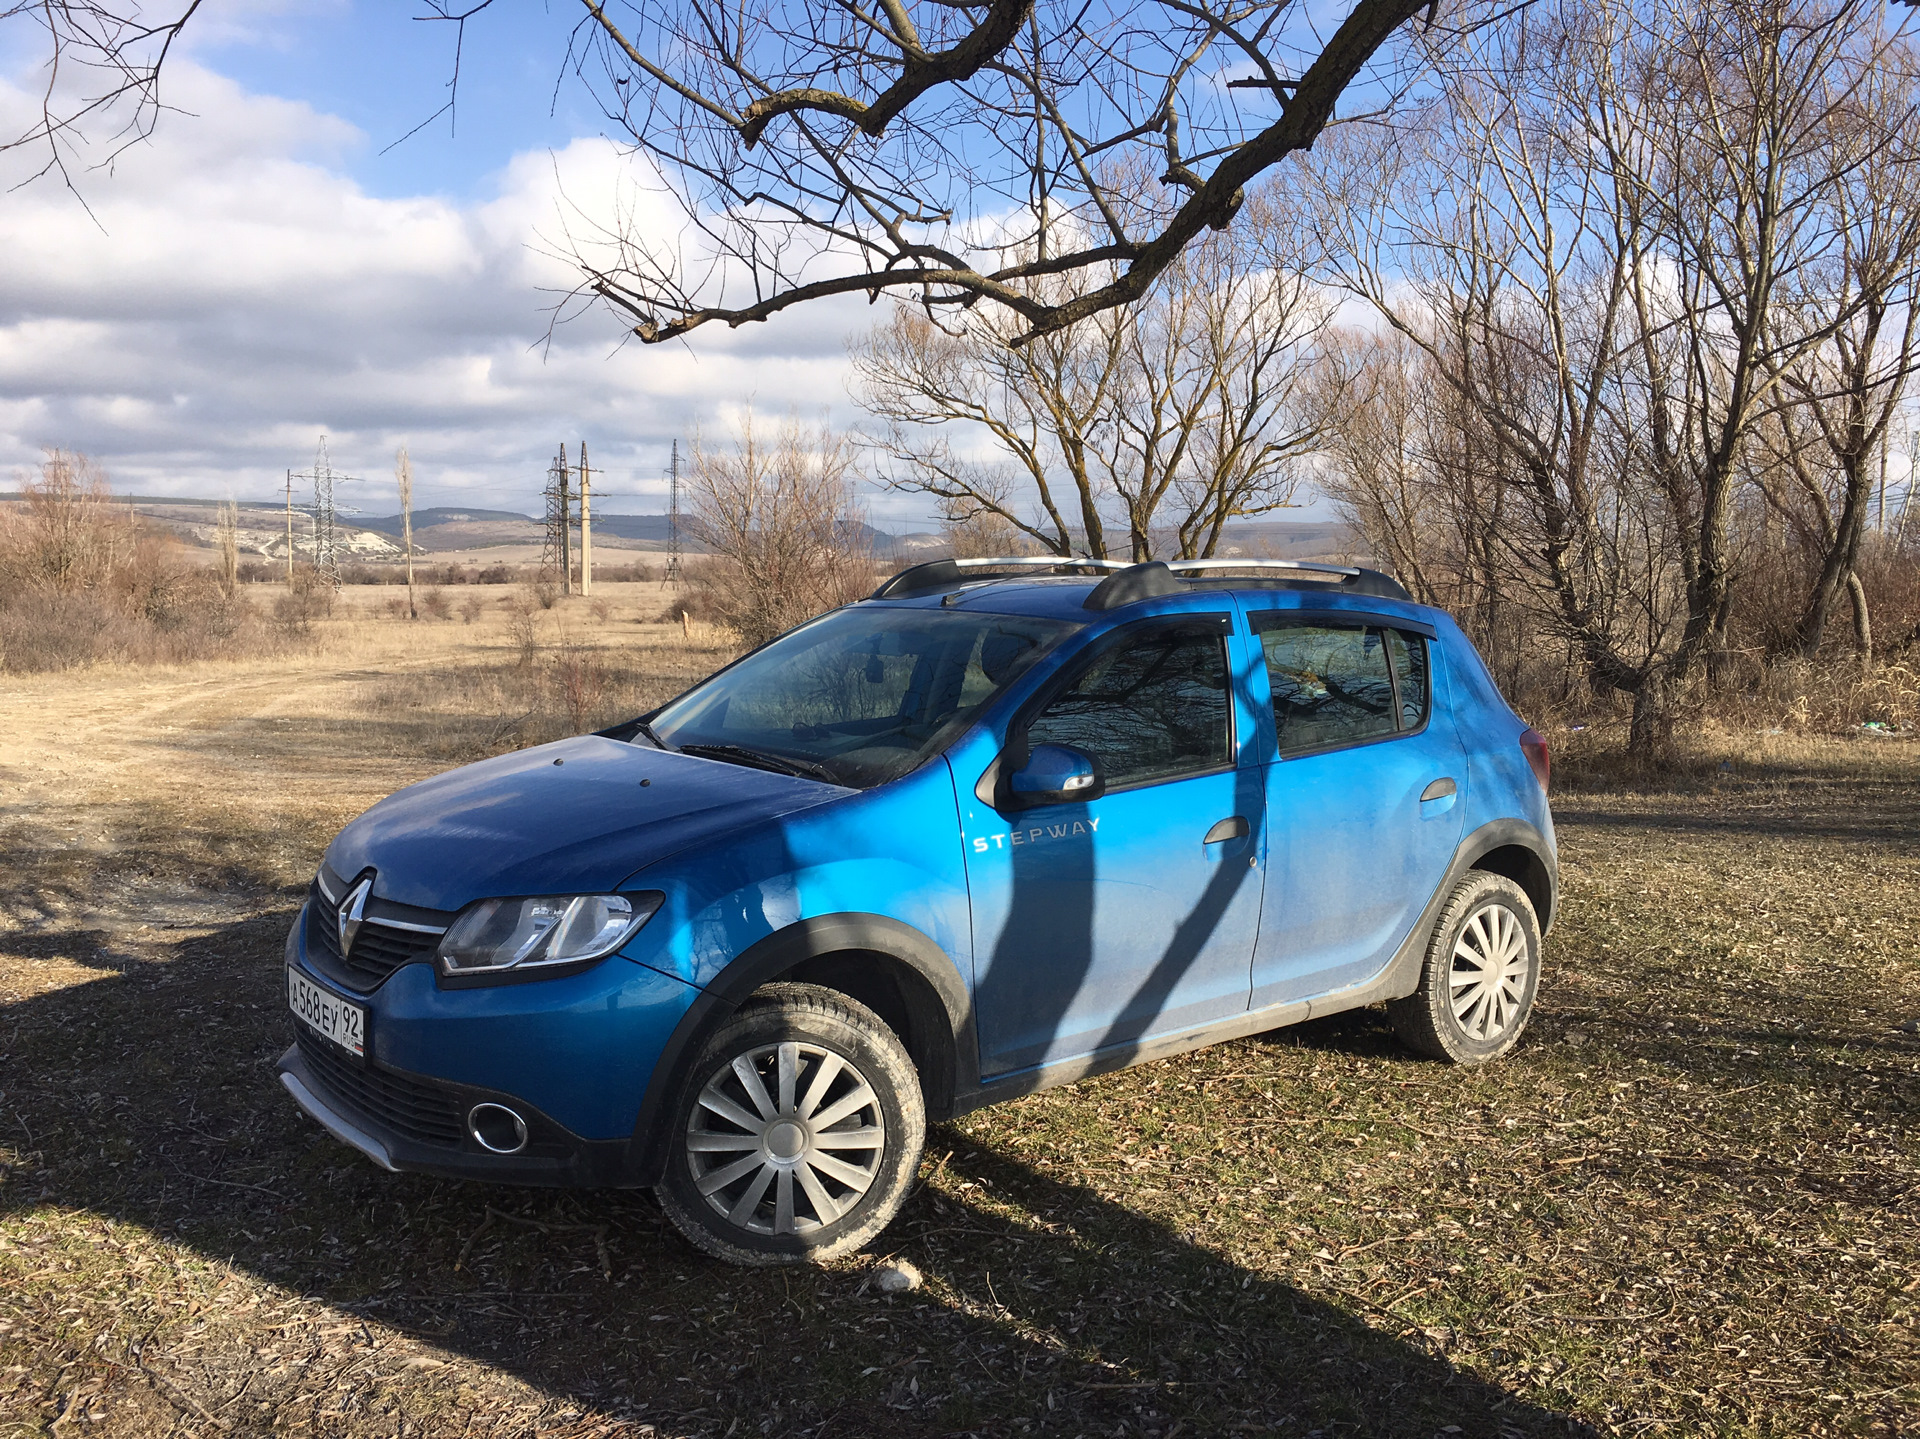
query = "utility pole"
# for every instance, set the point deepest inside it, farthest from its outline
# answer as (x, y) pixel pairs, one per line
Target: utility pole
(586, 523)
(556, 552)
(326, 553)
(673, 519)
(566, 527)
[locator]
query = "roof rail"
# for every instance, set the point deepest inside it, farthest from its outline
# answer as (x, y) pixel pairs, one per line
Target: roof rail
(945, 574)
(1159, 577)
(1124, 583)
(1261, 564)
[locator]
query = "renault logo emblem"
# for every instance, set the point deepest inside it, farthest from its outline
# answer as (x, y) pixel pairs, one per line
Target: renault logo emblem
(353, 909)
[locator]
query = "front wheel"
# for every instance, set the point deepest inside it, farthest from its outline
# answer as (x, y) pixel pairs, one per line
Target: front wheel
(1477, 986)
(797, 1131)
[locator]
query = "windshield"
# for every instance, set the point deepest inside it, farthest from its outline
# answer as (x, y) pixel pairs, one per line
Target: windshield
(861, 695)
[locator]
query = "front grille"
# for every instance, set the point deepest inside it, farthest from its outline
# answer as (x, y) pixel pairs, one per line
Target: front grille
(378, 949)
(416, 1108)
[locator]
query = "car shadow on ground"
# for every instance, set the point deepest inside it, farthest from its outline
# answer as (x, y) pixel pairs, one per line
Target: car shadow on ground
(147, 1098)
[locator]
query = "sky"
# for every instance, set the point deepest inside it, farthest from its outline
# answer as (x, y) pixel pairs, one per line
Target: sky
(273, 266)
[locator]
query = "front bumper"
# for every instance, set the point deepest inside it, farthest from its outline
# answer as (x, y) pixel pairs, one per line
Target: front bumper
(553, 1158)
(573, 1056)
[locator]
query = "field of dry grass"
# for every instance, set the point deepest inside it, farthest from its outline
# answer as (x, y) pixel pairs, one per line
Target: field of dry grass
(1687, 1204)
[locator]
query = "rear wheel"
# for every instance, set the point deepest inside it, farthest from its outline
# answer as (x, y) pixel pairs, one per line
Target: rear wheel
(797, 1132)
(1482, 968)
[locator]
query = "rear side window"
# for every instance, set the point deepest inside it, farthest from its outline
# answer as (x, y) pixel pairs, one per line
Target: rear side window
(1408, 656)
(1342, 684)
(1153, 707)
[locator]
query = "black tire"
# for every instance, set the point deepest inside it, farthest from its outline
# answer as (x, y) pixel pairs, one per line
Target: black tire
(1486, 949)
(805, 1191)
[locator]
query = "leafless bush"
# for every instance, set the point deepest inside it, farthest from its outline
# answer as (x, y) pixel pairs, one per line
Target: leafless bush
(624, 574)
(523, 623)
(601, 610)
(436, 604)
(581, 678)
(471, 608)
(546, 592)
(787, 536)
(82, 580)
(307, 599)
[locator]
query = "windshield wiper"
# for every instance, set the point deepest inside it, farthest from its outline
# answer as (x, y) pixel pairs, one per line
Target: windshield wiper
(760, 759)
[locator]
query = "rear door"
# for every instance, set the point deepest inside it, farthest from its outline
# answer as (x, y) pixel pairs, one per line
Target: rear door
(1364, 799)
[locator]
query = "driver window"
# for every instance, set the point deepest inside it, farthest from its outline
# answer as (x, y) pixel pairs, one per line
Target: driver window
(1153, 707)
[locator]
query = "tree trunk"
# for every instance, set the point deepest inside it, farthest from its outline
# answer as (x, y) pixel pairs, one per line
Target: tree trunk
(1862, 621)
(1652, 727)
(1836, 570)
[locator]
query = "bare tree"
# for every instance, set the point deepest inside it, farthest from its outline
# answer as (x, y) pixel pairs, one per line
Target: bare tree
(226, 546)
(403, 479)
(69, 535)
(787, 537)
(100, 75)
(1600, 240)
(823, 150)
(1143, 431)
(1838, 402)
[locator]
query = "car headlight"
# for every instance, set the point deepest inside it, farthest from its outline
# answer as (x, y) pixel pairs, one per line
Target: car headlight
(541, 933)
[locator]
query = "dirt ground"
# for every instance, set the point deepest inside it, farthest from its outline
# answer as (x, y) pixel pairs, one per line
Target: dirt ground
(1687, 1204)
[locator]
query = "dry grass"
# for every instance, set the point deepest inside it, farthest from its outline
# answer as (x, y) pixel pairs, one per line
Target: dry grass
(1687, 1204)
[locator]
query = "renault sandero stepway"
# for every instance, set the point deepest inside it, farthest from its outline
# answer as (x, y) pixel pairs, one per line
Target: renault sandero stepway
(1006, 824)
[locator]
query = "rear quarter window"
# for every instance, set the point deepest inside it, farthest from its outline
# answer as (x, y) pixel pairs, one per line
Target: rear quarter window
(1336, 684)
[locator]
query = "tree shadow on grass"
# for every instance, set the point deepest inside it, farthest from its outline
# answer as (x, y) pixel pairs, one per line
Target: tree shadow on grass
(148, 1098)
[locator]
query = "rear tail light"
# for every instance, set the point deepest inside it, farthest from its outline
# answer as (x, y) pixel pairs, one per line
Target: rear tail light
(1533, 745)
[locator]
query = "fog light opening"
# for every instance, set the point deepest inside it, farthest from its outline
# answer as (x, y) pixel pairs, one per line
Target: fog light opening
(497, 1129)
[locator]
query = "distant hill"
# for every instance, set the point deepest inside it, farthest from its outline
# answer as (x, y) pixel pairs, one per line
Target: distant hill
(445, 528)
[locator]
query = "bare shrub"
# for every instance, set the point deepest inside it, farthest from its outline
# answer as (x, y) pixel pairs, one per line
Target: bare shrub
(624, 574)
(523, 623)
(581, 679)
(471, 608)
(495, 574)
(44, 629)
(788, 538)
(307, 599)
(546, 592)
(601, 610)
(82, 580)
(436, 604)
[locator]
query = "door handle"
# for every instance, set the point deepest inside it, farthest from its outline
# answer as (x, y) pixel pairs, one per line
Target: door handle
(1439, 789)
(1226, 829)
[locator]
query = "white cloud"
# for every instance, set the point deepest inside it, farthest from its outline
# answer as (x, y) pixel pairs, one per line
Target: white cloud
(239, 295)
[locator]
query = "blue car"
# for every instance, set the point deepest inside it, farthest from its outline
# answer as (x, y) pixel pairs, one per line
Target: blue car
(1005, 824)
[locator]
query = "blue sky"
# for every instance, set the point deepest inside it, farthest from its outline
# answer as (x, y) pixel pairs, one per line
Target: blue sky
(381, 70)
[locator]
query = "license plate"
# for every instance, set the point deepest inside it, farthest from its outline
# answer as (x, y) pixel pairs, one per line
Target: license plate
(327, 1015)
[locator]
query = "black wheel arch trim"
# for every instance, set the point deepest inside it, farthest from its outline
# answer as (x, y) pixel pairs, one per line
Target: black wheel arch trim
(939, 1012)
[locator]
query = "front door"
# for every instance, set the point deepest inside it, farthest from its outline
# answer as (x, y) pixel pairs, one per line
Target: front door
(1098, 925)
(1364, 802)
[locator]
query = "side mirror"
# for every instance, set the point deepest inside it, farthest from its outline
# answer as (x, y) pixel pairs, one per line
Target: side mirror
(1056, 774)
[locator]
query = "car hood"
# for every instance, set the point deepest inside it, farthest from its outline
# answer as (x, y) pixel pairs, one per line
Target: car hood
(577, 816)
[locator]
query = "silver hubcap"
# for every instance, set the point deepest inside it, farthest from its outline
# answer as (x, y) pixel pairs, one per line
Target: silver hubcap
(785, 1138)
(1489, 972)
